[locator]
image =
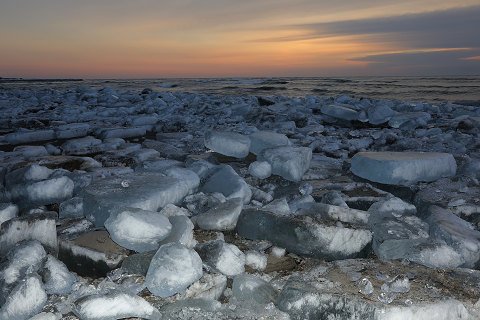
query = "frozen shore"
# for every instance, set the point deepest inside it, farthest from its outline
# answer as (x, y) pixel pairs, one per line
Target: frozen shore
(124, 203)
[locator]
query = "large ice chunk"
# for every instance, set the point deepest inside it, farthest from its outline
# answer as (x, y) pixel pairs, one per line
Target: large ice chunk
(222, 257)
(121, 132)
(261, 140)
(409, 120)
(114, 305)
(27, 136)
(379, 114)
(253, 289)
(222, 217)
(226, 181)
(182, 231)
(288, 162)
(142, 190)
(41, 227)
(342, 112)
(173, 268)
(25, 258)
(228, 143)
(7, 211)
(72, 130)
(81, 146)
(26, 300)
(56, 277)
(71, 208)
(457, 233)
(403, 168)
(29, 173)
(260, 169)
(307, 238)
(138, 229)
(54, 190)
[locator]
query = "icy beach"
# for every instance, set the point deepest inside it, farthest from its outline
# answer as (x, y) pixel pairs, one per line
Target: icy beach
(124, 202)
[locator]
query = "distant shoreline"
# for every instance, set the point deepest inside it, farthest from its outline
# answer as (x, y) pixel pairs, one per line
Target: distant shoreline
(20, 80)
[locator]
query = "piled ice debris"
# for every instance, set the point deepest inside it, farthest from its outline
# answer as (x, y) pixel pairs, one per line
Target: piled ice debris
(118, 203)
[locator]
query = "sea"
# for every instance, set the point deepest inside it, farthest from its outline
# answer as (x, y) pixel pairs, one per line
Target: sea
(463, 90)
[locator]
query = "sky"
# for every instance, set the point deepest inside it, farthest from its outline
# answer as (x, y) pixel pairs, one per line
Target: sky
(238, 38)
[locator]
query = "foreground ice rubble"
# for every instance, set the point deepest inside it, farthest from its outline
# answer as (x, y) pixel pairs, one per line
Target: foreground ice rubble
(112, 205)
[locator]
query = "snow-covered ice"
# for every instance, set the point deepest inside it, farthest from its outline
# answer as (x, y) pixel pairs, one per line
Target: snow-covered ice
(173, 268)
(26, 299)
(41, 227)
(116, 305)
(222, 257)
(56, 277)
(138, 229)
(147, 191)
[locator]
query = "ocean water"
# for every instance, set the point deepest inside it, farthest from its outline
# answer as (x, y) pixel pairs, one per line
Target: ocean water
(461, 89)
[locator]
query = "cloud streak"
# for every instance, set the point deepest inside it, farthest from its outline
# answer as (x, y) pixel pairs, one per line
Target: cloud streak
(451, 28)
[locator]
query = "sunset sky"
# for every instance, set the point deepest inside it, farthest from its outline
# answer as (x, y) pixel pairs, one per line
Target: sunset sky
(213, 38)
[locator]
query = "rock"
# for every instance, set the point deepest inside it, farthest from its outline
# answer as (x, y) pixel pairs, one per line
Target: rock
(223, 257)
(26, 299)
(137, 263)
(115, 305)
(261, 140)
(260, 169)
(228, 143)
(90, 254)
(56, 277)
(227, 182)
(222, 217)
(142, 190)
(173, 268)
(138, 229)
(41, 227)
(288, 162)
(403, 168)
(304, 238)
